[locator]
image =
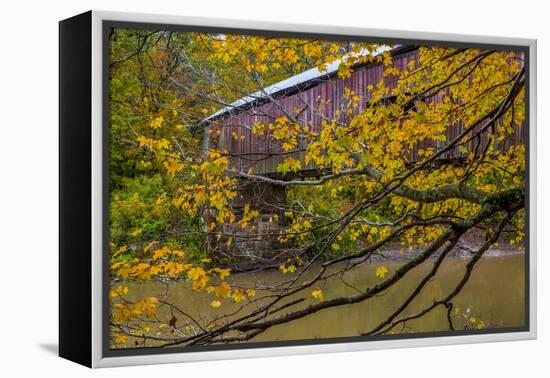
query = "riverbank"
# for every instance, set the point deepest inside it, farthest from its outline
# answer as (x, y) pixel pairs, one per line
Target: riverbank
(465, 248)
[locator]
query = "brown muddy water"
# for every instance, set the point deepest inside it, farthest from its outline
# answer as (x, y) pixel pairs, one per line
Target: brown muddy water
(494, 295)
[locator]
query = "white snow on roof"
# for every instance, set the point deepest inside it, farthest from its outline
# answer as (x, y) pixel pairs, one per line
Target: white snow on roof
(292, 81)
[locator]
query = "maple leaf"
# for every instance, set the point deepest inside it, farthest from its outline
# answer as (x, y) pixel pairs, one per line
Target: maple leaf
(120, 250)
(317, 294)
(157, 123)
(381, 271)
(222, 290)
(238, 296)
(148, 246)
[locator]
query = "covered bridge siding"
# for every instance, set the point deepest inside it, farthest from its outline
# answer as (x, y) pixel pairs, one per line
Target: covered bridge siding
(231, 129)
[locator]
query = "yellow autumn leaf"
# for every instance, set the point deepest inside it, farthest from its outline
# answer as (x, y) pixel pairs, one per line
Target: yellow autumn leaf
(118, 291)
(287, 146)
(222, 290)
(157, 123)
(120, 250)
(229, 241)
(381, 271)
(195, 273)
(178, 253)
(238, 296)
(136, 231)
(142, 140)
(148, 246)
(123, 273)
(215, 303)
(159, 253)
(199, 277)
(120, 338)
(317, 294)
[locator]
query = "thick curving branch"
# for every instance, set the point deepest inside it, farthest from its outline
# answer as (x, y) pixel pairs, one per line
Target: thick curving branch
(425, 196)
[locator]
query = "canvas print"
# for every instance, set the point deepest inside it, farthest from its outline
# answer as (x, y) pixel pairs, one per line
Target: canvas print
(281, 189)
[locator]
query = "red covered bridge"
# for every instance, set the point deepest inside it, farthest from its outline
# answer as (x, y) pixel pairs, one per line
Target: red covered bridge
(231, 127)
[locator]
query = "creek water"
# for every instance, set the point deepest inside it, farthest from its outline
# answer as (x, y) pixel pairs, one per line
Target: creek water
(493, 297)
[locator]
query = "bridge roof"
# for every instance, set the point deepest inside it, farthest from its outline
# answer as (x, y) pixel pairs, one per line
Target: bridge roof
(293, 82)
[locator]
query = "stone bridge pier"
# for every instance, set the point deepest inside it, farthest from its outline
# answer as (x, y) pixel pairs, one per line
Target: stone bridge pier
(256, 244)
